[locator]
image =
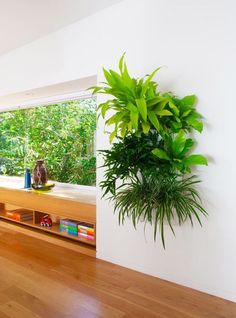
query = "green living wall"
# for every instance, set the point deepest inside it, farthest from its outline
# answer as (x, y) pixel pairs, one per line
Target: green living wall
(61, 134)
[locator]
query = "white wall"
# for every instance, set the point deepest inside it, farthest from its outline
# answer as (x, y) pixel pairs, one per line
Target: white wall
(195, 40)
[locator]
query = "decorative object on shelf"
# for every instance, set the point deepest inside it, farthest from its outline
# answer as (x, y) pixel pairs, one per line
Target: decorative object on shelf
(46, 221)
(43, 187)
(148, 168)
(40, 173)
(27, 184)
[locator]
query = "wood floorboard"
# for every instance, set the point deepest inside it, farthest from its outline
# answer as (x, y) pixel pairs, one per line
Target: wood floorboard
(39, 279)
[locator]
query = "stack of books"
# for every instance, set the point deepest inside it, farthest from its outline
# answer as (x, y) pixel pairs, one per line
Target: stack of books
(69, 226)
(86, 230)
(20, 215)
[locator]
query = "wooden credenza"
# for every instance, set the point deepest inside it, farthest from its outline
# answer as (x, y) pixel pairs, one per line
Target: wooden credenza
(71, 202)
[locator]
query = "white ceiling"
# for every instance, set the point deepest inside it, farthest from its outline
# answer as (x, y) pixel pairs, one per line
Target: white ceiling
(23, 21)
(48, 94)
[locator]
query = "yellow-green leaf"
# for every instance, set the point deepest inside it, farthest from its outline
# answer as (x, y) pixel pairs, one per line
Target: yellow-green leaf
(134, 119)
(160, 153)
(146, 127)
(112, 136)
(174, 108)
(164, 112)
(195, 160)
(142, 108)
(153, 119)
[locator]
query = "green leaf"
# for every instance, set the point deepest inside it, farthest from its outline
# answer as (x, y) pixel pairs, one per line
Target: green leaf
(161, 105)
(121, 62)
(109, 78)
(95, 89)
(123, 129)
(179, 143)
(112, 120)
(132, 107)
(176, 126)
(134, 119)
(174, 108)
(194, 121)
(112, 136)
(155, 101)
(148, 80)
(186, 113)
(164, 112)
(189, 100)
(160, 153)
(104, 108)
(130, 126)
(153, 119)
(142, 108)
(195, 160)
(146, 127)
(188, 145)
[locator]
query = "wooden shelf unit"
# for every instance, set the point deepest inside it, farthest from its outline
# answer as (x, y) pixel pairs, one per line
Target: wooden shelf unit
(59, 204)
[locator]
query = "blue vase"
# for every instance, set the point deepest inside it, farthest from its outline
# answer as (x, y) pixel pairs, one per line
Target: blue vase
(27, 179)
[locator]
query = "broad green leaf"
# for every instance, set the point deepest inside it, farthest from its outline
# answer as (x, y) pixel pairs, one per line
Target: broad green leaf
(153, 119)
(188, 145)
(194, 121)
(115, 119)
(179, 143)
(161, 105)
(195, 160)
(134, 119)
(142, 108)
(160, 153)
(123, 129)
(130, 128)
(112, 120)
(128, 80)
(104, 109)
(109, 78)
(189, 100)
(174, 108)
(132, 107)
(186, 113)
(164, 112)
(155, 101)
(146, 127)
(176, 126)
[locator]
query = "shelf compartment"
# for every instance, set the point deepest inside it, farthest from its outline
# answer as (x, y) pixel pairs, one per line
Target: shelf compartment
(55, 228)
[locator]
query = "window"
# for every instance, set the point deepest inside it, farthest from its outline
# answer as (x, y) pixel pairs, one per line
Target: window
(62, 134)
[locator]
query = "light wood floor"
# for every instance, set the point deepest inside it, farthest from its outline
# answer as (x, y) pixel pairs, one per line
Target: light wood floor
(38, 279)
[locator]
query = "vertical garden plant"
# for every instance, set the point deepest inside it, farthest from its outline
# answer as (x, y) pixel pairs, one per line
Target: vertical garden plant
(152, 155)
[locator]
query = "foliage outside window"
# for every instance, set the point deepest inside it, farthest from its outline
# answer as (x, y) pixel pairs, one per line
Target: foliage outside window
(61, 134)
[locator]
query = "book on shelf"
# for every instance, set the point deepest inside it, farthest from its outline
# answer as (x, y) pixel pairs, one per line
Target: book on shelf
(86, 236)
(86, 228)
(20, 215)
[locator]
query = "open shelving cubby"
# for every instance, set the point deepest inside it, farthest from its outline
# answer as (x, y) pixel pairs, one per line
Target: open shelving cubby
(77, 205)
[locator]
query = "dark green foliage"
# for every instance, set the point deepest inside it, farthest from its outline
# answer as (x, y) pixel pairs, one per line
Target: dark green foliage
(129, 156)
(62, 134)
(159, 198)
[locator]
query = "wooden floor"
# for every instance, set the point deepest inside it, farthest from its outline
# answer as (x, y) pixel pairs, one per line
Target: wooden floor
(38, 279)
